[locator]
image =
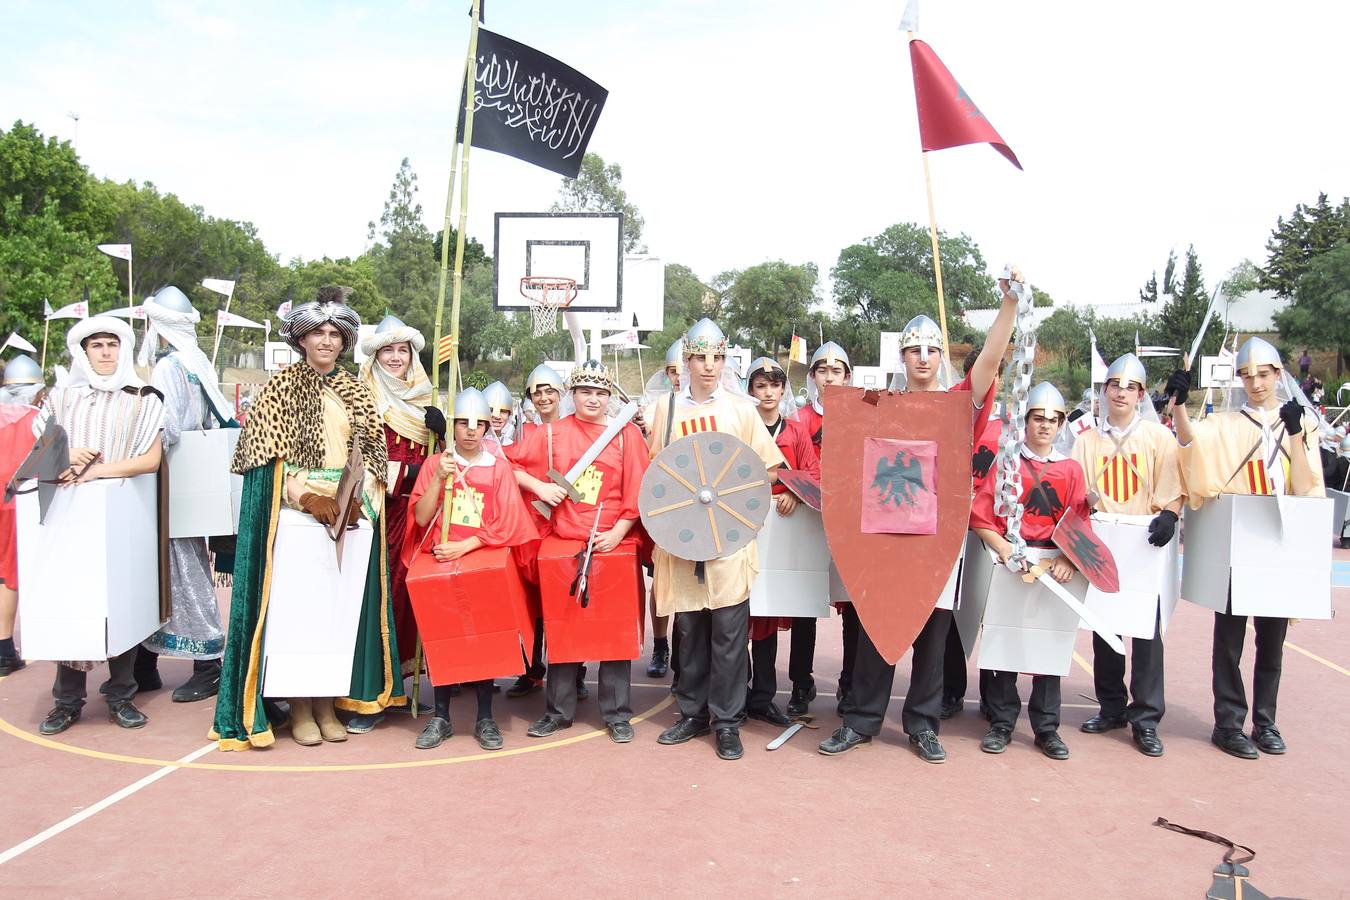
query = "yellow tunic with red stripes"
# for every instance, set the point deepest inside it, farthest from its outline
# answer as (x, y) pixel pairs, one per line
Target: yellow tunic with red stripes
(1139, 477)
(1226, 456)
(727, 581)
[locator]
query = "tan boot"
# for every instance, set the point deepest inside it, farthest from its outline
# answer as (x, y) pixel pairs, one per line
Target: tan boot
(329, 726)
(304, 730)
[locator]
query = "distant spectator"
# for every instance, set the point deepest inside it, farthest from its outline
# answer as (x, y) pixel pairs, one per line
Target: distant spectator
(1304, 362)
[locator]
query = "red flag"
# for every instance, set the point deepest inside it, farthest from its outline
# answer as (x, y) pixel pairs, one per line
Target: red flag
(947, 115)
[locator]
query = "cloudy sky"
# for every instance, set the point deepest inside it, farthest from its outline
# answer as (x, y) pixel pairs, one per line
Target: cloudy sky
(748, 130)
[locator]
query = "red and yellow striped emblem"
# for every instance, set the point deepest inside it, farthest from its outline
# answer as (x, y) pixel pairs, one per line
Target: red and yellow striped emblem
(1118, 479)
(696, 424)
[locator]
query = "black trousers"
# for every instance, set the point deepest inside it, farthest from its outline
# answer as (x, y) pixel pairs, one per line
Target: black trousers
(851, 630)
(764, 663)
(1005, 704)
(70, 685)
(616, 681)
(534, 666)
(873, 679)
(1230, 698)
(1146, 705)
(713, 664)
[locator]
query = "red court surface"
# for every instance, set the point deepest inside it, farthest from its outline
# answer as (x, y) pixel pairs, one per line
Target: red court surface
(579, 816)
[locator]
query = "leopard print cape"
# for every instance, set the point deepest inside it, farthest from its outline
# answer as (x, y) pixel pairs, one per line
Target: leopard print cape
(286, 422)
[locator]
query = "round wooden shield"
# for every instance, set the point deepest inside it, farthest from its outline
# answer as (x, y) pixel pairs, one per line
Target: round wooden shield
(704, 496)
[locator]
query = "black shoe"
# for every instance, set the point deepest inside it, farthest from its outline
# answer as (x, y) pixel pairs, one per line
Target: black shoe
(278, 712)
(546, 726)
(996, 741)
(685, 729)
(660, 663)
(1268, 740)
(1100, 724)
(929, 748)
(148, 680)
(1148, 742)
(951, 706)
(620, 732)
(1052, 745)
(364, 723)
(488, 735)
(843, 740)
(125, 714)
(524, 686)
(1234, 743)
(729, 744)
(205, 682)
(771, 714)
(434, 734)
(59, 719)
(800, 701)
(10, 664)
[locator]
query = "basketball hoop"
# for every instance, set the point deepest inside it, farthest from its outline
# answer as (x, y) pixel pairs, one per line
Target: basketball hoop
(547, 295)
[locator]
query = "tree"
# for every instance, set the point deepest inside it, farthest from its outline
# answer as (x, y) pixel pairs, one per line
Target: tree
(761, 304)
(1242, 279)
(1180, 318)
(41, 172)
(1320, 314)
(684, 293)
(599, 188)
(1294, 243)
(1065, 334)
(1150, 293)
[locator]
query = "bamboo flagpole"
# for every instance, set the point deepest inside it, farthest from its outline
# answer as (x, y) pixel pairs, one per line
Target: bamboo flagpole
(445, 246)
(937, 257)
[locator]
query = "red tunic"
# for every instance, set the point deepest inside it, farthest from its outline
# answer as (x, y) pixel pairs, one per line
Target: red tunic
(795, 443)
(985, 454)
(1047, 490)
(411, 456)
(812, 422)
(16, 439)
(486, 504)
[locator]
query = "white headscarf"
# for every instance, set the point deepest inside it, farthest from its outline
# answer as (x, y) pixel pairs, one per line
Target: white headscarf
(82, 373)
(401, 403)
(180, 330)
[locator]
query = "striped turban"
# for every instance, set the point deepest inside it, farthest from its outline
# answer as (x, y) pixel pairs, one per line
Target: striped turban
(329, 308)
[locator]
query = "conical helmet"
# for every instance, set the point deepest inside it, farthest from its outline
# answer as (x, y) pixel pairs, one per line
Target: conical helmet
(471, 406)
(543, 375)
(1046, 398)
(498, 397)
(390, 323)
(173, 300)
(675, 352)
(1127, 369)
(769, 364)
(23, 369)
(1257, 352)
(704, 338)
(829, 352)
(922, 332)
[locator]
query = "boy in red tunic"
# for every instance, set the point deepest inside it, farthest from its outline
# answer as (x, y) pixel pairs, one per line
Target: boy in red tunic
(612, 480)
(1051, 484)
(18, 408)
(768, 381)
(486, 511)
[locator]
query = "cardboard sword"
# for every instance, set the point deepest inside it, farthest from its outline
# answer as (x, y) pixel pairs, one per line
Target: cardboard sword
(1035, 573)
(581, 583)
(568, 482)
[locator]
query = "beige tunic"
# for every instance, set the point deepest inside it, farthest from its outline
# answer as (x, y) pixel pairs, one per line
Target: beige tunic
(337, 432)
(726, 582)
(1217, 461)
(1138, 478)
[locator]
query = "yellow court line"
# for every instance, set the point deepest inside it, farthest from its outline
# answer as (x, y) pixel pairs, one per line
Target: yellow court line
(41, 741)
(1078, 658)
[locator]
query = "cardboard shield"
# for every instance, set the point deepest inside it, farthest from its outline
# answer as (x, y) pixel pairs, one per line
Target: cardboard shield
(49, 458)
(805, 486)
(1088, 553)
(894, 580)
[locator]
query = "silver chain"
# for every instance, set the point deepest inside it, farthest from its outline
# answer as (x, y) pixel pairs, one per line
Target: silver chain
(1016, 386)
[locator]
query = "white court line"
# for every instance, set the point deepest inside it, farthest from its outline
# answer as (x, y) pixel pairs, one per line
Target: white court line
(90, 811)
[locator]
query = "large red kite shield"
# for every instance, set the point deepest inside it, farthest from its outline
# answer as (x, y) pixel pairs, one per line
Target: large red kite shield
(894, 580)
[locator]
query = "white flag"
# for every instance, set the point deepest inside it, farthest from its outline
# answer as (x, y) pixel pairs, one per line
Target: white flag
(71, 311)
(219, 285)
(627, 340)
(1098, 364)
(46, 308)
(18, 343)
(910, 20)
(121, 251)
(128, 312)
(284, 310)
(224, 319)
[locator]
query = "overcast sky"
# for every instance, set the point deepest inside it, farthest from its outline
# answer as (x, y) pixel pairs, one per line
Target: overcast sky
(747, 130)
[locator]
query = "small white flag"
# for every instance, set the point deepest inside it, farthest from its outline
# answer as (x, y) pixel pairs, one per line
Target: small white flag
(121, 251)
(1098, 364)
(1083, 423)
(71, 311)
(128, 312)
(284, 310)
(910, 20)
(224, 319)
(46, 308)
(18, 343)
(219, 285)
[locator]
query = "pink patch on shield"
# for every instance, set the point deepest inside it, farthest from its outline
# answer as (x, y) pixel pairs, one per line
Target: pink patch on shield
(899, 485)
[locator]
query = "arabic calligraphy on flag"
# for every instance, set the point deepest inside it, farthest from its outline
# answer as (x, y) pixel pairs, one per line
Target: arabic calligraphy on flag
(899, 485)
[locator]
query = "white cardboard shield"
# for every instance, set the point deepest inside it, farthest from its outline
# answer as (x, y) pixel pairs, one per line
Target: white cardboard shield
(975, 566)
(1026, 627)
(204, 494)
(1148, 575)
(90, 572)
(1341, 502)
(313, 609)
(1273, 550)
(794, 566)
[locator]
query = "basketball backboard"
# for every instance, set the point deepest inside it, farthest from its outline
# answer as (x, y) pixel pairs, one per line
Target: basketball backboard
(586, 247)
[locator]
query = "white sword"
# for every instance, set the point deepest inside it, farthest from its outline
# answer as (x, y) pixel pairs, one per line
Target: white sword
(1069, 600)
(785, 736)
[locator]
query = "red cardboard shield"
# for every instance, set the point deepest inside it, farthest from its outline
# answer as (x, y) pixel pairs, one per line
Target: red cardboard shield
(805, 486)
(1076, 540)
(894, 580)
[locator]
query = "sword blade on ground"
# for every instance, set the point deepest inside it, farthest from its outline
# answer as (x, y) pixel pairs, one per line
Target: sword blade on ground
(1092, 619)
(568, 482)
(786, 735)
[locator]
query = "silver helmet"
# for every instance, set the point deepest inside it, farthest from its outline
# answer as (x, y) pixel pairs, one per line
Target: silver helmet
(675, 352)
(704, 338)
(1257, 352)
(171, 298)
(830, 352)
(769, 364)
(23, 370)
(543, 375)
(1127, 369)
(922, 332)
(471, 406)
(498, 397)
(1046, 398)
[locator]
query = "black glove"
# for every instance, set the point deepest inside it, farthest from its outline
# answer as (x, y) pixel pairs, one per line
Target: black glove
(1292, 414)
(435, 422)
(1162, 528)
(1179, 386)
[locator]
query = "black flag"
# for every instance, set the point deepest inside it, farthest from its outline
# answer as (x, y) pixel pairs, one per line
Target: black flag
(531, 106)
